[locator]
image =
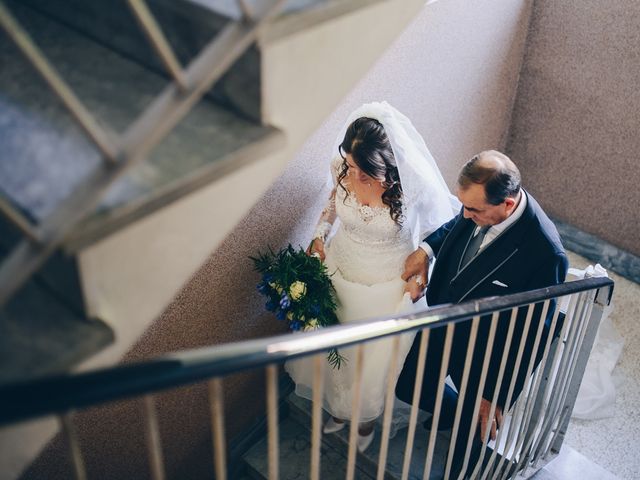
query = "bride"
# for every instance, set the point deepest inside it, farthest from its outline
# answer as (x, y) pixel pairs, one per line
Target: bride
(387, 195)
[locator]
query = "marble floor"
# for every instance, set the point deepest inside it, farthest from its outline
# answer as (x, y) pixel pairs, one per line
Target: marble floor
(613, 442)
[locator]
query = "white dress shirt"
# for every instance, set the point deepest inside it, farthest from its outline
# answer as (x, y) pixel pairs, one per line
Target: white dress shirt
(495, 230)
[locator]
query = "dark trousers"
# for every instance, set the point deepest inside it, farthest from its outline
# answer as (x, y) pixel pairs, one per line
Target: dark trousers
(467, 428)
(450, 398)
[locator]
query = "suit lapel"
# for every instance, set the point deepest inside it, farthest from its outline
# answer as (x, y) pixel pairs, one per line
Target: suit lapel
(492, 257)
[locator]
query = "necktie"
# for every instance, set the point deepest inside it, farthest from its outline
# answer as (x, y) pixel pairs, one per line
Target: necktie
(474, 245)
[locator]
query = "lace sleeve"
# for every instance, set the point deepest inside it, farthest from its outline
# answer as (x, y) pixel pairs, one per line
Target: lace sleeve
(327, 217)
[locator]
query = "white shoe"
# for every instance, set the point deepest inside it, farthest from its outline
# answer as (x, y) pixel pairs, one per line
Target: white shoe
(332, 426)
(364, 441)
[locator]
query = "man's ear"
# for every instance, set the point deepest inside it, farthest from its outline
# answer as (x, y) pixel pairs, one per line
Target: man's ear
(510, 204)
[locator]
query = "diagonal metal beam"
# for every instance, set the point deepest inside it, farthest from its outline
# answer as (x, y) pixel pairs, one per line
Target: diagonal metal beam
(158, 41)
(148, 130)
(104, 139)
(247, 13)
(19, 220)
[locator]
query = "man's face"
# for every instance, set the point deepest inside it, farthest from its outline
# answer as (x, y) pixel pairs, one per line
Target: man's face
(479, 210)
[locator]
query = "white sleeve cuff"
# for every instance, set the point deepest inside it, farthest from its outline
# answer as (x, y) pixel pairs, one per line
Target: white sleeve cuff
(429, 251)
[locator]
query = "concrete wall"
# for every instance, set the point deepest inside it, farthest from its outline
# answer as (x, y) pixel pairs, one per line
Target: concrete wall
(453, 72)
(576, 121)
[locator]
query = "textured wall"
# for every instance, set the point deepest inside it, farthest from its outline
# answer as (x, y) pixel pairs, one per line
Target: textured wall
(453, 72)
(576, 121)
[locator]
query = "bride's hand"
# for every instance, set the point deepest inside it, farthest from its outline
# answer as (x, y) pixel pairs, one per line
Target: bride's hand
(415, 288)
(316, 248)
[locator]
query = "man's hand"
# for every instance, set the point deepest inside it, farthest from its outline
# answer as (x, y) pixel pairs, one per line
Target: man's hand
(417, 265)
(489, 423)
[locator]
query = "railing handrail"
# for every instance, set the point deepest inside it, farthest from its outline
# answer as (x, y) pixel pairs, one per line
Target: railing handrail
(61, 393)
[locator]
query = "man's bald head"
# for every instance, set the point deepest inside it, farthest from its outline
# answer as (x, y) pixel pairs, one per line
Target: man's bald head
(494, 170)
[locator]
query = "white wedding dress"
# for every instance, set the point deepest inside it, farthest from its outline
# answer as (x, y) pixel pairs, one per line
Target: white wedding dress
(365, 258)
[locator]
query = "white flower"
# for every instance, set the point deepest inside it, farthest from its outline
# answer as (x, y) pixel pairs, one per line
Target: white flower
(297, 290)
(311, 325)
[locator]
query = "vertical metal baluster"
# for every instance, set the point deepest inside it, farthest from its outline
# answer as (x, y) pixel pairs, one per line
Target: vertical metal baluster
(512, 384)
(216, 402)
(494, 400)
(158, 41)
(316, 421)
(551, 389)
(98, 134)
(355, 413)
(562, 372)
(536, 399)
(536, 345)
(417, 390)
(483, 378)
(69, 431)
(526, 394)
(388, 408)
(505, 356)
(573, 382)
(461, 393)
(272, 420)
(584, 324)
(446, 355)
(538, 407)
(542, 412)
(154, 445)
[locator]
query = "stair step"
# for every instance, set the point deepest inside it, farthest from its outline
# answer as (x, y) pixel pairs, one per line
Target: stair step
(300, 409)
(55, 156)
(295, 456)
(40, 335)
(43, 329)
(187, 26)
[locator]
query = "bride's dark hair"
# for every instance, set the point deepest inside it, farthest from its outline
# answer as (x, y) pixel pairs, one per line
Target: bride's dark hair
(370, 149)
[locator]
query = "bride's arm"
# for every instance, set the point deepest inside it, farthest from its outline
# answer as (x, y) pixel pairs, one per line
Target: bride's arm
(327, 217)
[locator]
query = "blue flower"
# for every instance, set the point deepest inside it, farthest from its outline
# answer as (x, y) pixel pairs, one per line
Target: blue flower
(271, 305)
(267, 277)
(314, 310)
(281, 315)
(295, 325)
(263, 287)
(284, 301)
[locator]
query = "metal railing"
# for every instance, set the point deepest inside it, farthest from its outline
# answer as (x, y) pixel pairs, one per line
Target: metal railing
(119, 151)
(536, 416)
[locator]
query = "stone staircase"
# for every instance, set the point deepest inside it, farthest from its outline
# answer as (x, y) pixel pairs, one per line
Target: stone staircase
(169, 211)
(295, 451)
(43, 329)
(46, 327)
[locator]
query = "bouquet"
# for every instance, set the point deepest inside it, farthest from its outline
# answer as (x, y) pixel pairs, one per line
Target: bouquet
(299, 291)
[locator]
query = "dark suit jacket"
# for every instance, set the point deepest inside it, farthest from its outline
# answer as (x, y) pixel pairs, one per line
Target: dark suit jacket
(527, 256)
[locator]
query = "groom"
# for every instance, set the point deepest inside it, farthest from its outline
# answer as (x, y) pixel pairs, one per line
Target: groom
(500, 243)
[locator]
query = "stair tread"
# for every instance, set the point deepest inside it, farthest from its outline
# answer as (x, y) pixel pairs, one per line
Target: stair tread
(295, 456)
(301, 410)
(46, 155)
(40, 335)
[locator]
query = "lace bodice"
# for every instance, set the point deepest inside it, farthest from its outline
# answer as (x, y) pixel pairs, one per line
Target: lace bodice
(368, 246)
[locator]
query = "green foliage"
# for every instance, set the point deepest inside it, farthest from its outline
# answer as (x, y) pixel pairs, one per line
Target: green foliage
(299, 291)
